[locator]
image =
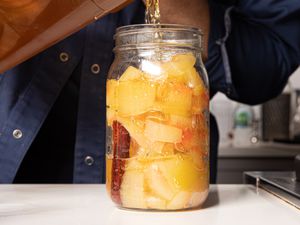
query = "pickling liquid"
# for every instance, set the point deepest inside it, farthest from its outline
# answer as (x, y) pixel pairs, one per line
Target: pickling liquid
(152, 14)
(158, 156)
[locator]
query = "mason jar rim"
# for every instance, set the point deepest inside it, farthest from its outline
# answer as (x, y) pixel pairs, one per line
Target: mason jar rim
(143, 36)
(163, 27)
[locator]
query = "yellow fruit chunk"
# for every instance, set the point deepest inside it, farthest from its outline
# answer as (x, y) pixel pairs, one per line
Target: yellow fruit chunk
(132, 189)
(110, 116)
(197, 105)
(136, 130)
(200, 103)
(190, 139)
(135, 97)
(194, 81)
(160, 132)
(111, 94)
(198, 198)
(108, 173)
(134, 164)
(156, 116)
(131, 73)
(198, 158)
(133, 148)
(198, 136)
(180, 201)
(181, 173)
(140, 144)
(181, 121)
(184, 61)
(181, 69)
(111, 101)
(175, 99)
(153, 149)
(157, 183)
(156, 203)
(168, 149)
(173, 73)
(176, 68)
(153, 71)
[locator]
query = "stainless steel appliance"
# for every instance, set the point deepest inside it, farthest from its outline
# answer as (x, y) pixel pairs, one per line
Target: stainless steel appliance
(283, 184)
(281, 118)
(295, 115)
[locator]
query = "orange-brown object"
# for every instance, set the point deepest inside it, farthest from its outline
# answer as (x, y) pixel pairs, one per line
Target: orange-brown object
(29, 26)
(121, 145)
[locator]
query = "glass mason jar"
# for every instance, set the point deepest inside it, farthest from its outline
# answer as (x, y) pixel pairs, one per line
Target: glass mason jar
(157, 119)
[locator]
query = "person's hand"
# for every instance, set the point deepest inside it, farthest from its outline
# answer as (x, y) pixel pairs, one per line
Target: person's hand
(187, 12)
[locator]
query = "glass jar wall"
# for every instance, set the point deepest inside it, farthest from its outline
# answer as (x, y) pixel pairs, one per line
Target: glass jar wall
(157, 119)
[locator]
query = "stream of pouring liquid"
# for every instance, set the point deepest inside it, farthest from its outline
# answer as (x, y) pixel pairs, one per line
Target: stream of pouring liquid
(152, 15)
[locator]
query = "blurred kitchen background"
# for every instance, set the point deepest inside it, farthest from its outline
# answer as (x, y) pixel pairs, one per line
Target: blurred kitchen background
(258, 138)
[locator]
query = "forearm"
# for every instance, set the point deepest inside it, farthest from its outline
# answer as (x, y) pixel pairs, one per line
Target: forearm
(187, 12)
(262, 46)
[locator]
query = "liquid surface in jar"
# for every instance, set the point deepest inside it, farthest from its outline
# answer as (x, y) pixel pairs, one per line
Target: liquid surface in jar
(152, 15)
(159, 136)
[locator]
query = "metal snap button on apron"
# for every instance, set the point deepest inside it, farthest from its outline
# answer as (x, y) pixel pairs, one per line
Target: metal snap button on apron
(95, 68)
(17, 134)
(64, 57)
(89, 160)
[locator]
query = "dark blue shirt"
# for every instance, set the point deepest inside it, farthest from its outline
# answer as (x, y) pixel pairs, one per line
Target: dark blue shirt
(57, 98)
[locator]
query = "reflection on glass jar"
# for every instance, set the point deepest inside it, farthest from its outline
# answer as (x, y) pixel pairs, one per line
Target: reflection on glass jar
(157, 119)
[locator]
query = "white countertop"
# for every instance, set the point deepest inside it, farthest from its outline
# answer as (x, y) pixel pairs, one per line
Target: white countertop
(89, 205)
